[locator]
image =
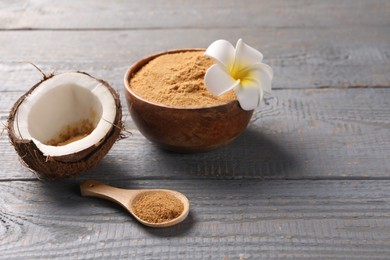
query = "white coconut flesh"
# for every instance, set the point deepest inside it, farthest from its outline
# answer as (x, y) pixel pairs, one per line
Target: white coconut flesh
(66, 114)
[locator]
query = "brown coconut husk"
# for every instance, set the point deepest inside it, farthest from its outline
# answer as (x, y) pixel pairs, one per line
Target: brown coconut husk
(53, 168)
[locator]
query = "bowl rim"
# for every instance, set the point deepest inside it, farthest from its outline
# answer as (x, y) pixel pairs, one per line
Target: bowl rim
(143, 61)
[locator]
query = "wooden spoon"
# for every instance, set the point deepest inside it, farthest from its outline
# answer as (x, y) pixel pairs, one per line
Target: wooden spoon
(126, 199)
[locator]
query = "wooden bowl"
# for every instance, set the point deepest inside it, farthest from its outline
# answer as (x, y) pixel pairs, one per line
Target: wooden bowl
(184, 130)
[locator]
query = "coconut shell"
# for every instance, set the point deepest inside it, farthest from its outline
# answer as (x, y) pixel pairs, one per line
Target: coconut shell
(59, 167)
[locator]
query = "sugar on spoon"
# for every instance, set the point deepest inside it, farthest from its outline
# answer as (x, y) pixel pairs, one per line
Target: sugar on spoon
(126, 199)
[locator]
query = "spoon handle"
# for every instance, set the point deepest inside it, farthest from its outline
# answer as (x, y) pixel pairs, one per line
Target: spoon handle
(93, 188)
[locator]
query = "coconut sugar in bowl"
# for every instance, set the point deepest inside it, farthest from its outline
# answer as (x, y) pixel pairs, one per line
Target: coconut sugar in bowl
(171, 107)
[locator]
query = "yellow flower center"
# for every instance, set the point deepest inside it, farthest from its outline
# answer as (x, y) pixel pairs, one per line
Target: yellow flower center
(241, 73)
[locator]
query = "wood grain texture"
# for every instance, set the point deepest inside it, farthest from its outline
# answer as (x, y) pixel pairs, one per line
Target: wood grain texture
(309, 134)
(309, 178)
(301, 58)
(91, 14)
(228, 220)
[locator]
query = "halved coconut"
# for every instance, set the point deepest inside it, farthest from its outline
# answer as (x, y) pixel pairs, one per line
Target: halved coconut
(65, 124)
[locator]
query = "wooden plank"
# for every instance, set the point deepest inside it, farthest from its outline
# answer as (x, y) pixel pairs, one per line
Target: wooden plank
(228, 219)
(92, 14)
(308, 179)
(309, 134)
(301, 58)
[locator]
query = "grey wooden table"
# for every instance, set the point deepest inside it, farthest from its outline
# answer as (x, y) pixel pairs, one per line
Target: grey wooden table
(310, 177)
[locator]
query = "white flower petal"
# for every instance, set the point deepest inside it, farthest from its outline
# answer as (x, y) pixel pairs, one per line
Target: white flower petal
(248, 97)
(245, 55)
(254, 85)
(218, 81)
(221, 51)
(263, 74)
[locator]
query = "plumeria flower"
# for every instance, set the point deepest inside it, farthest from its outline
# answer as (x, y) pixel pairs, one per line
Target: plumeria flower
(239, 69)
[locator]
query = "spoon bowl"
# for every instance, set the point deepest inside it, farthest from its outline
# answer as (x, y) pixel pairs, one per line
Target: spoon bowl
(126, 199)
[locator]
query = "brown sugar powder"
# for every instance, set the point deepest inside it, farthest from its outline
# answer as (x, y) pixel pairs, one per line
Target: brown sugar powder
(177, 80)
(157, 207)
(72, 132)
